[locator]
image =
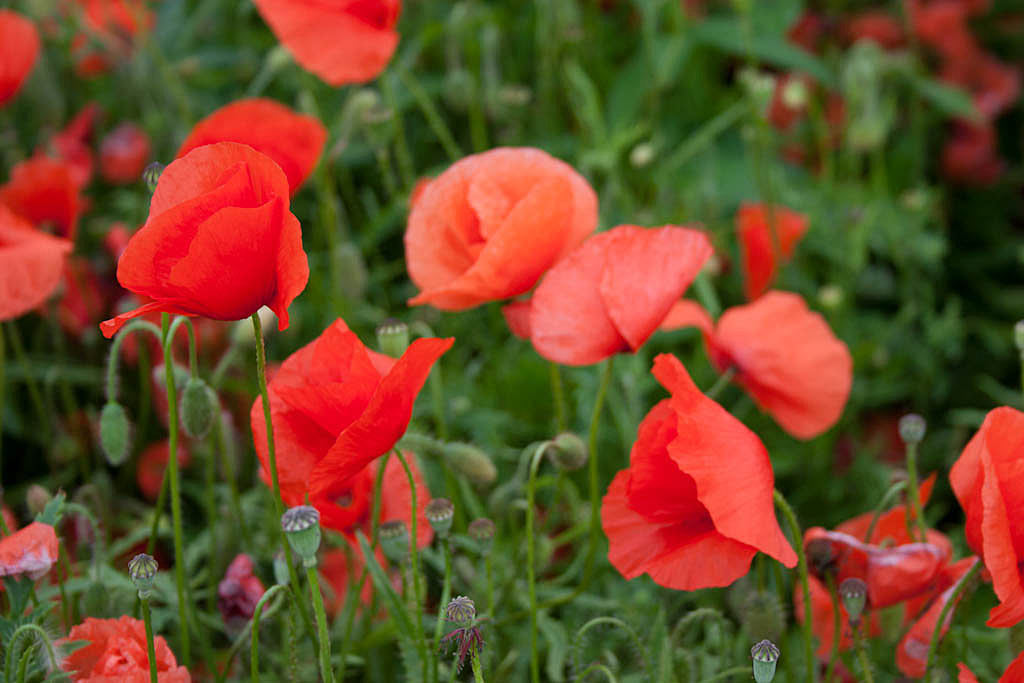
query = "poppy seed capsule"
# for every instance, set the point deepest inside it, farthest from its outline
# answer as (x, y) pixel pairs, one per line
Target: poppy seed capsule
(765, 655)
(482, 531)
(394, 540)
(142, 570)
(198, 407)
(440, 512)
(114, 433)
(301, 525)
(151, 174)
(854, 594)
(912, 428)
(567, 451)
(460, 610)
(393, 337)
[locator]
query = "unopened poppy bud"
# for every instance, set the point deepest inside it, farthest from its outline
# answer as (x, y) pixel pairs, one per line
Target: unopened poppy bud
(1018, 335)
(281, 575)
(393, 337)
(36, 499)
(151, 174)
(482, 531)
(301, 525)
(472, 462)
(567, 451)
(765, 655)
(440, 512)
(198, 408)
(854, 594)
(115, 433)
(912, 428)
(460, 610)
(394, 540)
(142, 570)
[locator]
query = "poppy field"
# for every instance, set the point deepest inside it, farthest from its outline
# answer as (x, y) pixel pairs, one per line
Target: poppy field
(581, 340)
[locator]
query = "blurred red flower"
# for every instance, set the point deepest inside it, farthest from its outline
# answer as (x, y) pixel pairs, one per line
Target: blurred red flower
(293, 140)
(44, 191)
(238, 592)
(336, 407)
(337, 576)
(610, 294)
(219, 242)
(110, 27)
(20, 39)
(31, 551)
(970, 156)
(876, 25)
(988, 481)
(1013, 674)
(349, 41)
(489, 226)
(86, 297)
(755, 223)
(149, 470)
(72, 143)
(784, 355)
(124, 153)
(31, 263)
(695, 504)
(117, 652)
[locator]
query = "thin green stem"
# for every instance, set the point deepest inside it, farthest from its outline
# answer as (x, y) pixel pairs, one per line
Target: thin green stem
(414, 562)
(798, 541)
(161, 502)
(402, 154)
(705, 135)
(30, 381)
(836, 628)
(933, 644)
(433, 117)
(912, 494)
(478, 668)
(446, 593)
(254, 648)
(489, 571)
(531, 569)
(115, 351)
(862, 657)
(321, 622)
(150, 647)
(721, 382)
(558, 395)
(882, 506)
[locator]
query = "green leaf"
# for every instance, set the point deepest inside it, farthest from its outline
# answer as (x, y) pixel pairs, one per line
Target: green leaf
(946, 98)
(383, 584)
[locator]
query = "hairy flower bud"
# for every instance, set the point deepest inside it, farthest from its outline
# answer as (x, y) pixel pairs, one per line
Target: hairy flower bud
(440, 512)
(472, 462)
(142, 570)
(198, 408)
(393, 337)
(394, 541)
(301, 525)
(36, 499)
(765, 655)
(115, 433)
(912, 428)
(567, 451)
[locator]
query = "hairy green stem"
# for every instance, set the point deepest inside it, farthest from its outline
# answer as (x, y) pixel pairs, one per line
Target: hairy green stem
(798, 541)
(531, 569)
(446, 593)
(114, 358)
(933, 644)
(478, 668)
(414, 562)
(836, 629)
(254, 648)
(321, 622)
(721, 382)
(558, 395)
(433, 117)
(862, 657)
(150, 646)
(912, 494)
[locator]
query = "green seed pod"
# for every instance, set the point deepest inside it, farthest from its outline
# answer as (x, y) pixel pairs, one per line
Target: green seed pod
(115, 433)
(393, 337)
(394, 541)
(567, 451)
(765, 655)
(440, 512)
(482, 531)
(151, 174)
(198, 408)
(472, 462)
(912, 428)
(854, 594)
(301, 525)
(142, 570)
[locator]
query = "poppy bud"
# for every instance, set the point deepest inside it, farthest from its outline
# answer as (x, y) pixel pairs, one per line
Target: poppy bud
(393, 337)
(820, 556)
(912, 428)
(198, 408)
(36, 498)
(301, 525)
(854, 594)
(460, 610)
(482, 531)
(1018, 335)
(765, 655)
(142, 570)
(440, 512)
(394, 540)
(151, 174)
(471, 462)
(567, 451)
(351, 269)
(114, 433)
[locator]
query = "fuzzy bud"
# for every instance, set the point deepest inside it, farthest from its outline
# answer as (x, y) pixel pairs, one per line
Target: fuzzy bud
(115, 433)
(394, 541)
(301, 525)
(460, 610)
(482, 531)
(440, 512)
(142, 570)
(393, 337)
(912, 428)
(854, 594)
(567, 451)
(37, 498)
(765, 655)
(472, 462)
(151, 174)
(198, 408)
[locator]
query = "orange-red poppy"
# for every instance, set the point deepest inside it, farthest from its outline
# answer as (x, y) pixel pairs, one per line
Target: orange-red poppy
(31, 263)
(767, 239)
(110, 27)
(219, 242)
(1013, 674)
(30, 551)
(72, 143)
(349, 41)
(890, 527)
(20, 39)
(988, 481)
(610, 294)
(695, 504)
(124, 152)
(492, 224)
(44, 192)
(149, 470)
(876, 25)
(116, 651)
(336, 407)
(784, 355)
(293, 140)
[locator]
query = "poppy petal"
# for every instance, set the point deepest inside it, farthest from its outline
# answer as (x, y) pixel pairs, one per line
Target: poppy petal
(20, 39)
(686, 313)
(31, 264)
(517, 317)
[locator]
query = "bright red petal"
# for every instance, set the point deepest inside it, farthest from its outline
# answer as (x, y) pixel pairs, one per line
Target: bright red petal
(31, 263)
(20, 39)
(517, 317)
(758, 246)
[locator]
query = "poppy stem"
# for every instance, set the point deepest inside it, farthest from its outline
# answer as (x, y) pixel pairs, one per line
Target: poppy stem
(836, 628)
(954, 598)
(261, 374)
(862, 656)
(430, 113)
(912, 493)
(721, 382)
(798, 539)
(30, 381)
(150, 647)
(254, 648)
(558, 396)
(883, 504)
(478, 668)
(531, 570)
(728, 673)
(115, 351)
(414, 566)
(321, 621)
(446, 593)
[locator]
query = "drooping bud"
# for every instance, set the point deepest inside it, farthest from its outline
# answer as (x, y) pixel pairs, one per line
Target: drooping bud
(472, 462)
(394, 541)
(482, 531)
(912, 428)
(393, 337)
(460, 610)
(440, 512)
(567, 451)
(301, 525)
(115, 433)
(37, 498)
(142, 570)
(765, 655)
(198, 408)
(854, 594)
(151, 174)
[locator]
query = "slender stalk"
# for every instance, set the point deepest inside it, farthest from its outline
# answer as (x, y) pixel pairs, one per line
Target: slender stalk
(172, 475)
(150, 647)
(558, 395)
(531, 569)
(836, 629)
(161, 502)
(478, 668)
(261, 374)
(862, 657)
(114, 358)
(489, 570)
(798, 541)
(433, 117)
(321, 622)
(721, 382)
(883, 504)
(414, 566)
(722, 675)
(933, 644)
(912, 494)
(446, 593)
(254, 648)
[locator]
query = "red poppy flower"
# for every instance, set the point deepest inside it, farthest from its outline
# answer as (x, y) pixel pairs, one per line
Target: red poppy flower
(808, 31)
(875, 25)
(336, 407)
(943, 27)
(891, 526)
(111, 26)
(1013, 674)
(71, 144)
(695, 504)
(350, 41)
(20, 39)
(149, 471)
(293, 140)
(610, 294)
(31, 263)
(31, 551)
(117, 652)
(124, 154)
(44, 191)
(758, 248)
(219, 242)
(988, 481)
(912, 652)
(993, 85)
(238, 592)
(86, 297)
(970, 155)
(489, 226)
(116, 240)
(785, 356)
